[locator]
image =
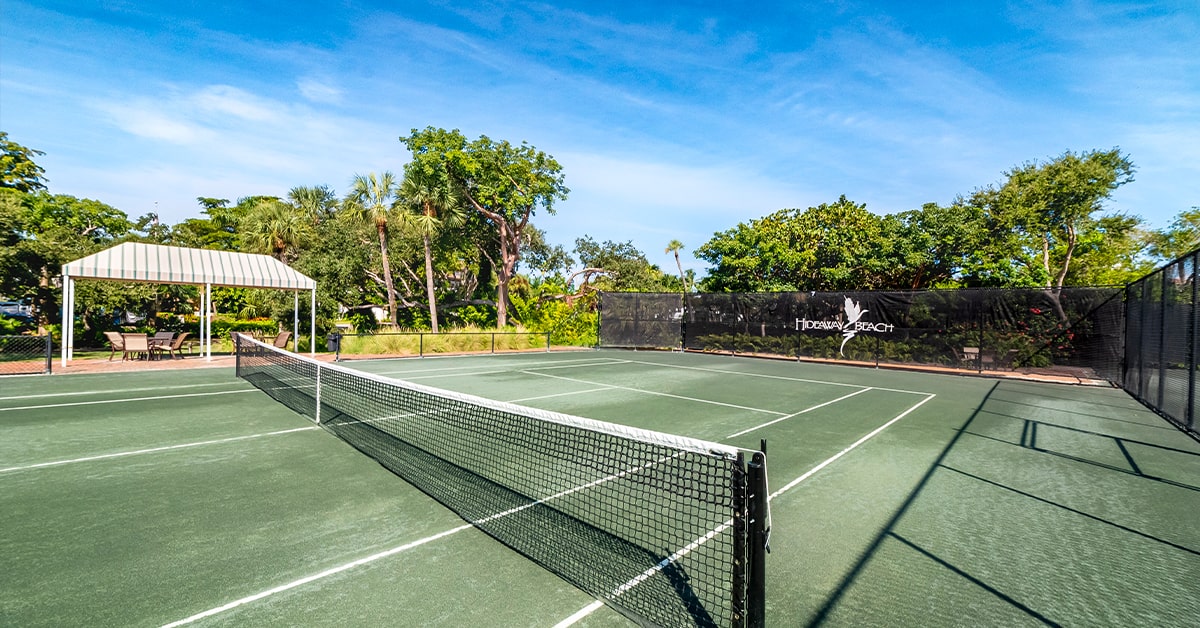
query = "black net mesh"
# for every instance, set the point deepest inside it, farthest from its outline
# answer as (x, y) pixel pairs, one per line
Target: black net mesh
(24, 355)
(642, 320)
(1072, 331)
(649, 523)
(1161, 340)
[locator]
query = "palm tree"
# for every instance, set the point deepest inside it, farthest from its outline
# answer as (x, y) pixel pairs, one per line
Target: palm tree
(370, 200)
(317, 203)
(274, 227)
(431, 203)
(674, 246)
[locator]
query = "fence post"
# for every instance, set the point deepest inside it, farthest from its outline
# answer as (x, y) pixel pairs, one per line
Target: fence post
(420, 344)
(1190, 412)
(1162, 337)
(547, 342)
(493, 343)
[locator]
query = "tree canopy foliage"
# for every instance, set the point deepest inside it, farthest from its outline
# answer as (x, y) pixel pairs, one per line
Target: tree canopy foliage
(453, 241)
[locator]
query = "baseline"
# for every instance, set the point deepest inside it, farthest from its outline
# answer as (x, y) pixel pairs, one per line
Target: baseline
(782, 377)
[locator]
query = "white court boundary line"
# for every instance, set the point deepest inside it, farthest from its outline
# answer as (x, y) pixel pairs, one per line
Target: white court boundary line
(324, 574)
(122, 454)
(587, 610)
(765, 376)
(654, 393)
(592, 607)
(113, 391)
(505, 371)
(796, 414)
(396, 550)
(514, 367)
(130, 400)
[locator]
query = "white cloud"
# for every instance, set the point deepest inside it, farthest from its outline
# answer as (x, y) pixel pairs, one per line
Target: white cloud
(319, 92)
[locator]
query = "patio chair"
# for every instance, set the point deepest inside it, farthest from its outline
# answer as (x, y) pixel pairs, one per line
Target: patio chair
(162, 339)
(281, 340)
(176, 346)
(116, 343)
(136, 345)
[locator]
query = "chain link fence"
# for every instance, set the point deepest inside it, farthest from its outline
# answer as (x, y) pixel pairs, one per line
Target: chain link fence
(1075, 332)
(1161, 341)
(25, 355)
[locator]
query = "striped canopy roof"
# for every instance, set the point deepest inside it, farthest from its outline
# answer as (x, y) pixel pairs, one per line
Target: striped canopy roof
(137, 261)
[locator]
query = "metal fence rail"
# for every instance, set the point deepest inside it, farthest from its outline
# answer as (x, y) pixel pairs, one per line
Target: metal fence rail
(1161, 346)
(25, 355)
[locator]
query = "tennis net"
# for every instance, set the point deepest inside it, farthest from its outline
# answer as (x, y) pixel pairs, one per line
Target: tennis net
(667, 530)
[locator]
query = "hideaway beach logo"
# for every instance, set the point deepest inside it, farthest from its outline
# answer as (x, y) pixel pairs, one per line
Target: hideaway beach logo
(849, 323)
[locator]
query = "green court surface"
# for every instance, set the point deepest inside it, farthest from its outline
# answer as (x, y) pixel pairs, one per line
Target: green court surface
(897, 499)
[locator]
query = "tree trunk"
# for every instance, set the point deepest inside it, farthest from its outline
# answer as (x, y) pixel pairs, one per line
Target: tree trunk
(429, 285)
(389, 285)
(503, 272)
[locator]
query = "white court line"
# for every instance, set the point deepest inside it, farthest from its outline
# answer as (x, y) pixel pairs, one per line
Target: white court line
(593, 361)
(657, 394)
(847, 450)
(506, 370)
(594, 606)
(107, 391)
(324, 574)
(123, 454)
(395, 550)
(103, 401)
(783, 377)
(795, 414)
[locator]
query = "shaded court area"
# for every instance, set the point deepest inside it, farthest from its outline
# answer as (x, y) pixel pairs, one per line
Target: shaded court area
(191, 498)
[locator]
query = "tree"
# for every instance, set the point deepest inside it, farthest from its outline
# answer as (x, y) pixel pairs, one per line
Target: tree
(276, 228)
(1053, 203)
(504, 183)
(317, 203)
(624, 267)
(674, 246)
(1178, 239)
(370, 200)
(431, 202)
(828, 247)
(17, 168)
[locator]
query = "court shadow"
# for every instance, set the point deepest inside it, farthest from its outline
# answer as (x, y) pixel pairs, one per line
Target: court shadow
(1005, 594)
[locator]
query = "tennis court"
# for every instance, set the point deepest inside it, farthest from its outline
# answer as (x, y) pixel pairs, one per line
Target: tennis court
(897, 498)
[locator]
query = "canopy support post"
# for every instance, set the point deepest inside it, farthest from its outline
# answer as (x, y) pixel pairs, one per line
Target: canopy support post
(208, 322)
(312, 324)
(295, 321)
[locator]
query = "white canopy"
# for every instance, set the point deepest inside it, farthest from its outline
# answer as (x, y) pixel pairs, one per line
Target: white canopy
(154, 263)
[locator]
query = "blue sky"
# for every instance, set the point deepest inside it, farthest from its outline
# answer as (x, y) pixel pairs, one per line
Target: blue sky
(671, 120)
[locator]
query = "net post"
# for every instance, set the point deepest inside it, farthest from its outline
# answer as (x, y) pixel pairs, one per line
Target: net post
(756, 589)
(739, 542)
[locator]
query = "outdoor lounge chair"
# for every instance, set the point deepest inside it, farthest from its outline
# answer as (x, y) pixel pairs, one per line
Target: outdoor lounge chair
(116, 343)
(281, 340)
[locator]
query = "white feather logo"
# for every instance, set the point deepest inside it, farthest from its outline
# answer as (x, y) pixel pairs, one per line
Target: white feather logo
(853, 313)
